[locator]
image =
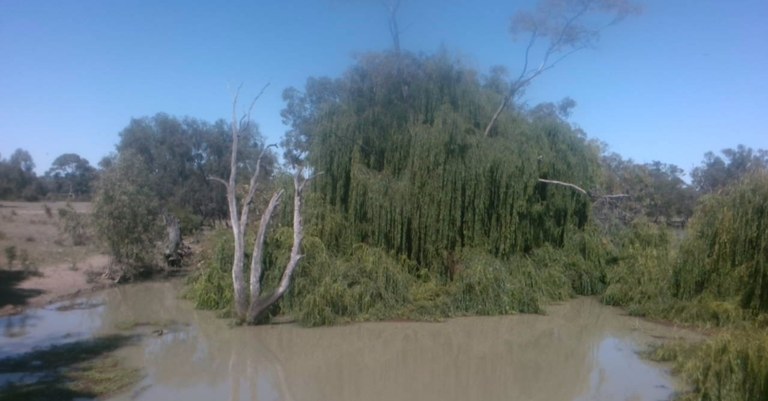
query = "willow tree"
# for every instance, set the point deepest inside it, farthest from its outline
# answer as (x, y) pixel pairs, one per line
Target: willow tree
(250, 303)
(725, 255)
(415, 176)
(557, 29)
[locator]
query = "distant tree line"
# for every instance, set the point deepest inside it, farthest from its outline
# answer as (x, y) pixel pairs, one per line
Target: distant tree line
(69, 177)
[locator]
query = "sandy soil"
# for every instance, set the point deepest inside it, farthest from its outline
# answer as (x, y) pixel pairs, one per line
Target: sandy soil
(47, 265)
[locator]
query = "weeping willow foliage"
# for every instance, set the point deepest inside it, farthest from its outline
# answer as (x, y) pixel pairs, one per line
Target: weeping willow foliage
(416, 214)
(210, 286)
(640, 276)
(407, 169)
(729, 367)
(725, 257)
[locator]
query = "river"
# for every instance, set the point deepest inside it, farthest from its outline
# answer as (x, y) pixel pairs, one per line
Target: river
(579, 351)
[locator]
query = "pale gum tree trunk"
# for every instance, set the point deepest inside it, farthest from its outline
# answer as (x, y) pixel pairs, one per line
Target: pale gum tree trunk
(249, 305)
(259, 304)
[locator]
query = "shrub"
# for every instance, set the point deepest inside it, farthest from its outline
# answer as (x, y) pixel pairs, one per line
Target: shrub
(74, 225)
(126, 216)
(639, 279)
(369, 284)
(730, 367)
(726, 253)
(210, 286)
(490, 286)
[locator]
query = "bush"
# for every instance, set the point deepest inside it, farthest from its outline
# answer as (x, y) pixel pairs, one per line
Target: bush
(639, 279)
(725, 256)
(73, 224)
(210, 286)
(126, 216)
(369, 284)
(730, 367)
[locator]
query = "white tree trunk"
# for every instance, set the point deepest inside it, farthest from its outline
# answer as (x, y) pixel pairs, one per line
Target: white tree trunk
(260, 305)
(249, 305)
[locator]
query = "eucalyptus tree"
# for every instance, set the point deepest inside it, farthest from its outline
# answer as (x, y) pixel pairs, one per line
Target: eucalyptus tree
(554, 30)
(71, 173)
(17, 177)
(717, 172)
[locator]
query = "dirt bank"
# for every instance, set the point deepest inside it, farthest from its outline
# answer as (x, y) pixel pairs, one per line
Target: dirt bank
(40, 262)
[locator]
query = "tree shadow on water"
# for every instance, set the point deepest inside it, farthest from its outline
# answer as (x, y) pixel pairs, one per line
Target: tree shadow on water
(83, 369)
(9, 294)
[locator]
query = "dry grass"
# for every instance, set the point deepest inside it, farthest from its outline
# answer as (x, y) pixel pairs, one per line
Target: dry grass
(26, 225)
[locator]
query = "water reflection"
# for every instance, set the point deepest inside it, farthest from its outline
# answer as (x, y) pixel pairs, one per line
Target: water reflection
(40, 328)
(580, 351)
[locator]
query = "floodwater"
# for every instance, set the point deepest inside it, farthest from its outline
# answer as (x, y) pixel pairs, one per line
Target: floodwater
(579, 351)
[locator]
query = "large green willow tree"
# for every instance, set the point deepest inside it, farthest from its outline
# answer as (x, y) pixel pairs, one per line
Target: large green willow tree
(406, 167)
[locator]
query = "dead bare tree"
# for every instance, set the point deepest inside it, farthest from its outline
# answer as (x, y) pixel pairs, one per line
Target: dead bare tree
(393, 6)
(249, 303)
(565, 26)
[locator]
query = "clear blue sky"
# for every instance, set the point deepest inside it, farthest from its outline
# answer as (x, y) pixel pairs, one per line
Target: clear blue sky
(686, 77)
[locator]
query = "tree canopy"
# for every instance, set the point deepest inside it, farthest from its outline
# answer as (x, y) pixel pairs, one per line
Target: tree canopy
(406, 167)
(71, 174)
(181, 155)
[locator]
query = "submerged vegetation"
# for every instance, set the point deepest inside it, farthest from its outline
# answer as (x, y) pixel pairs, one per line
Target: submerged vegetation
(81, 369)
(731, 366)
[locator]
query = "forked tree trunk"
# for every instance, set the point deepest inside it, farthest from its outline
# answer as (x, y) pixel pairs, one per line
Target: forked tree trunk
(259, 304)
(249, 305)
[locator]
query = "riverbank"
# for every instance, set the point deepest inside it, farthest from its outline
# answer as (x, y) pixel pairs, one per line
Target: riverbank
(45, 259)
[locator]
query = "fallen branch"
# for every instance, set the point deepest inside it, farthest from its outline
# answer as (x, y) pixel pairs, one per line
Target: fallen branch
(592, 196)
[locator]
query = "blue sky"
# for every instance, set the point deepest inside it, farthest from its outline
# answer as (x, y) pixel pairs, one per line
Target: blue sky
(686, 77)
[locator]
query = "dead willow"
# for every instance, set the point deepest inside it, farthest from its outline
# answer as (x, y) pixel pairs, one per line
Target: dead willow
(250, 304)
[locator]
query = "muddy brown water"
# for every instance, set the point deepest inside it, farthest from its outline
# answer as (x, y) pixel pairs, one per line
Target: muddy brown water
(580, 350)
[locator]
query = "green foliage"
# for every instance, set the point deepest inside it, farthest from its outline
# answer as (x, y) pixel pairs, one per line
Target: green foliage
(640, 276)
(126, 215)
(406, 168)
(210, 286)
(366, 285)
(18, 179)
(489, 286)
(725, 256)
(729, 367)
(181, 154)
(716, 173)
(656, 191)
(72, 175)
(73, 224)
(373, 284)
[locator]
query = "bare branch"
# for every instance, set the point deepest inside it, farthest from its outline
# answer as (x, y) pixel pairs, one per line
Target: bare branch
(531, 42)
(252, 184)
(566, 184)
(559, 23)
(217, 179)
(246, 118)
(595, 198)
